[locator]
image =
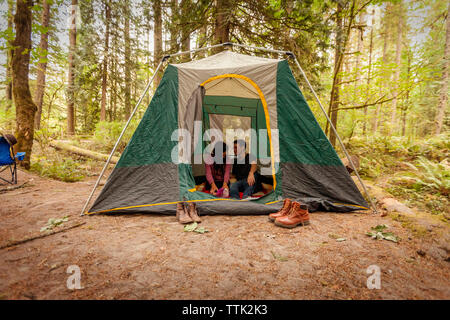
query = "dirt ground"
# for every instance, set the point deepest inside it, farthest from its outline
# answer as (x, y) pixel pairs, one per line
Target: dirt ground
(241, 257)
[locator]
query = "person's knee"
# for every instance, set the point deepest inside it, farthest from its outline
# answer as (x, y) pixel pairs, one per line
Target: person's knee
(234, 190)
(248, 191)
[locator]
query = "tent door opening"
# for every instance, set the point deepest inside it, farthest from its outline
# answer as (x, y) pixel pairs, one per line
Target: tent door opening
(226, 113)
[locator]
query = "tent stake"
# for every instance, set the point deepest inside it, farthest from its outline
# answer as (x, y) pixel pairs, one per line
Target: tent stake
(335, 132)
(122, 133)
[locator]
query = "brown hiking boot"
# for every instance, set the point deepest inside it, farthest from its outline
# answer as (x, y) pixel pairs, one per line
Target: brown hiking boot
(193, 213)
(283, 211)
(182, 215)
(297, 215)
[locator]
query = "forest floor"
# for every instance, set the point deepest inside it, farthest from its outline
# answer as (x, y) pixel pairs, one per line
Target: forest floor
(241, 257)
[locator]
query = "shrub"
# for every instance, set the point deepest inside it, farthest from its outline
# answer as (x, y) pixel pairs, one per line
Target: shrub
(107, 133)
(43, 137)
(64, 169)
(427, 175)
(7, 118)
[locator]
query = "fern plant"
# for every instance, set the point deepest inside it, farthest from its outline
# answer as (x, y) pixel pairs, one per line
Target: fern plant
(427, 174)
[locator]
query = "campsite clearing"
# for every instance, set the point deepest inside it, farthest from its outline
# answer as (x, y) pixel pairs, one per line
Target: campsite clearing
(149, 256)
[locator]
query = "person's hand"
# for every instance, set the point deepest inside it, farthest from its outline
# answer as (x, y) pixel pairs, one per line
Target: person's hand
(251, 179)
(214, 189)
(225, 186)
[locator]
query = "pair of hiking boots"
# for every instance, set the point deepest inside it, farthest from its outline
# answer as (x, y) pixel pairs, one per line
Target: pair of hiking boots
(291, 215)
(187, 213)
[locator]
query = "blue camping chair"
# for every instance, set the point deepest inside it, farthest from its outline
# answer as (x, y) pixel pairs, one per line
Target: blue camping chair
(8, 159)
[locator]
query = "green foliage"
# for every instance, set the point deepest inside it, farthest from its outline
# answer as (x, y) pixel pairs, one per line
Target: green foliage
(107, 133)
(193, 227)
(417, 171)
(427, 175)
(43, 137)
(64, 169)
(379, 233)
(380, 154)
(7, 117)
(52, 223)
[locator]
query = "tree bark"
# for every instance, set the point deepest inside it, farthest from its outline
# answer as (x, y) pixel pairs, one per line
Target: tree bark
(8, 93)
(334, 101)
(25, 107)
(60, 145)
(376, 119)
(42, 66)
(71, 77)
(398, 56)
(185, 31)
(105, 63)
(369, 71)
(341, 44)
(359, 50)
(201, 40)
(406, 104)
(127, 107)
(443, 98)
(173, 29)
(222, 23)
(157, 34)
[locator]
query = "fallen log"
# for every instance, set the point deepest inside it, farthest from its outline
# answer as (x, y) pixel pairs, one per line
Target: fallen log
(34, 237)
(59, 145)
(11, 188)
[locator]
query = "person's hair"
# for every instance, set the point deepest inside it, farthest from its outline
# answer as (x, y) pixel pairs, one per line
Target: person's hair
(219, 167)
(240, 142)
(217, 146)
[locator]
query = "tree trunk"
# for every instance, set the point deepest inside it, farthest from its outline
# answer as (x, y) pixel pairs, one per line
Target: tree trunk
(105, 62)
(157, 34)
(173, 29)
(113, 93)
(369, 71)
(42, 66)
(185, 31)
(341, 44)
(201, 40)
(25, 107)
(70, 87)
(359, 50)
(9, 94)
(406, 106)
(222, 24)
(398, 56)
(148, 57)
(376, 119)
(443, 98)
(334, 101)
(127, 107)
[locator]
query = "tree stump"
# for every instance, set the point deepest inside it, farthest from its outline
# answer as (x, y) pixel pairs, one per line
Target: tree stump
(348, 166)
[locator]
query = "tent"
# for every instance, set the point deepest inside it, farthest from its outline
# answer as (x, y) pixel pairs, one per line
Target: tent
(264, 95)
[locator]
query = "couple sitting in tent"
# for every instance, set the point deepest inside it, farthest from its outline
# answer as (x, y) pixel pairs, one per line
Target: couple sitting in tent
(218, 170)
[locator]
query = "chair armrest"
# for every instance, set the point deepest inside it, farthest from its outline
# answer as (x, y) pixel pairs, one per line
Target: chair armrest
(20, 155)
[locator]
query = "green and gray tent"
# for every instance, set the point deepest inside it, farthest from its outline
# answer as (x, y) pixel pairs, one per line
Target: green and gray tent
(256, 93)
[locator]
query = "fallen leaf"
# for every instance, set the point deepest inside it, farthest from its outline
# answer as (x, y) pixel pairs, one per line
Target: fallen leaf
(190, 227)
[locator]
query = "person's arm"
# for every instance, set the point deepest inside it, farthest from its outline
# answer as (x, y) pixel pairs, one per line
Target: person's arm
(210, 178)
(251, 175)
(226, 178)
